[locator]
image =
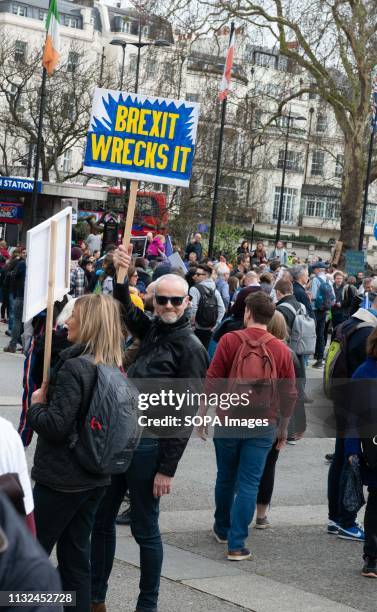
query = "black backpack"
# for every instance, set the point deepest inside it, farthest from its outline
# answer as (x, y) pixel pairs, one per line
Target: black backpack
(208, 310)
(111, 432)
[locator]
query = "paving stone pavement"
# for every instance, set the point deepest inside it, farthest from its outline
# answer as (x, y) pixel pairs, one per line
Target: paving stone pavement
(295, 565)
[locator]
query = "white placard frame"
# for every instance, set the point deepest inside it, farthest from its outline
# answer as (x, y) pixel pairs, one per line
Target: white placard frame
(39, 250)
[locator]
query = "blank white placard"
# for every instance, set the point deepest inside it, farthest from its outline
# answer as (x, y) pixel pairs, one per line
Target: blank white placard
(38, 261)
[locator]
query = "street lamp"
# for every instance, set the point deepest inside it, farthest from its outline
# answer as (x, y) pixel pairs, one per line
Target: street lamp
(139, 45)
(281, 201)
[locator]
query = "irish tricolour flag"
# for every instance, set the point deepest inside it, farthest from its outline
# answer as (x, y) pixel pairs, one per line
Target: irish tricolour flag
(51, 53)
(225, 81)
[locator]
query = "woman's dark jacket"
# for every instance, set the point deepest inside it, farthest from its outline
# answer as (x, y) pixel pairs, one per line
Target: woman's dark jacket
(69, 393)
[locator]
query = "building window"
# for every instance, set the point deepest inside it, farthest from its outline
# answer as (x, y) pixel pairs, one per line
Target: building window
(169, 72)
(132, 62)
(192, 97)
(273, 90)
(332, 210)
(19, 9)
(145, 31)
(67, 161)
(321, 123)
(318, 162)
(151, 69)
(370, 217)
(322, 207)
(42, 16)
(71, 22)
(265, 59)
(282, 63)
(289, 202)
(125, 26)
(292, 161)
(313, 94)
(310, 207)
(20, 51)
(282, 121)
(339, 165)
(259, 88)
(319, 208)
(257, 118)
(73, 60)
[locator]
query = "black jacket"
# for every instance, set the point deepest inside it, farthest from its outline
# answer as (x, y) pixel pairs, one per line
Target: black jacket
(69, 393)
(286, 312)
(166, 351)
(24, 566)
(194, 247)
(17, 282)
(301, 296)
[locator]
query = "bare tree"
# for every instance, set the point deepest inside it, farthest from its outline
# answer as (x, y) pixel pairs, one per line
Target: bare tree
(67, 107)
(335, 43)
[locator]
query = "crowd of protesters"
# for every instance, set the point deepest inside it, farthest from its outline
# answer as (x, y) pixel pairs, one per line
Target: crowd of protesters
(261, 317)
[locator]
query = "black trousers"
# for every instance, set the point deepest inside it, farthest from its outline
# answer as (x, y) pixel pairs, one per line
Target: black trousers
(266, 485)
(204, 336)
(370, 524)
(66, 519)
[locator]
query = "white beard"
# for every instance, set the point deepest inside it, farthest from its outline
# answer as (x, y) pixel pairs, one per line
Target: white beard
(169, 317)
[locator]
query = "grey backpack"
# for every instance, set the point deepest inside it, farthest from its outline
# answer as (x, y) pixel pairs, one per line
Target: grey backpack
(106, 440)
(303, 335)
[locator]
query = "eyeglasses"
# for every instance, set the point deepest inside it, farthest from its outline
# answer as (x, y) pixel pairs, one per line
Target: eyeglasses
(200, 274)
(162, 300)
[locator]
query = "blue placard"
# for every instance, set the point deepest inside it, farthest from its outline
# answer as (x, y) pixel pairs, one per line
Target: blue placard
(203, 227)
(141, 137)
(355, 262)
(375, 231)
(14, 183)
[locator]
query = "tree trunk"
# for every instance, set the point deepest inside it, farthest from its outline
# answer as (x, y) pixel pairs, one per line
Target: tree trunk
(353, 188)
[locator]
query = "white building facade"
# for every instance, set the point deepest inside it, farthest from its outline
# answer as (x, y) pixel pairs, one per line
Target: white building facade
(254, 144)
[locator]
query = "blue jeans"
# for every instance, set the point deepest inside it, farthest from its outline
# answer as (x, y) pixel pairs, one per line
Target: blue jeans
(335, 489)
(10, 312)
(240, 465)
(138, 480)
(18, 307)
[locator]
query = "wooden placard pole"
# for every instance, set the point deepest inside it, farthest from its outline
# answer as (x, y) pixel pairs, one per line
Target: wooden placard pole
(50, 301)
(128, 227)
(337, 252)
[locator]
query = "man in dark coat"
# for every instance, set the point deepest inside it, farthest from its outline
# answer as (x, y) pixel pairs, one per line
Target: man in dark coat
(300, 277)
(168, 351)
(195, 247)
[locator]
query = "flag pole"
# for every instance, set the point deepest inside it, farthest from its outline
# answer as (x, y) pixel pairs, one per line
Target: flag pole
(49, 61)
(218, 169)
(34, 196)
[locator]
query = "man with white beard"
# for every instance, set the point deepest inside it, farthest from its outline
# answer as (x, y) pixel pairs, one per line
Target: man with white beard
(168, 350)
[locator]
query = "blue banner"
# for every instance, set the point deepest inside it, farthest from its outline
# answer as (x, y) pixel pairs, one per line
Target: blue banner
(355, 262)
(141, 137)
(14, 183)
(11, 212)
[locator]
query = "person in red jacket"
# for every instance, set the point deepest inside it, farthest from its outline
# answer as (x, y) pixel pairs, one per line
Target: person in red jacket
(241, 450)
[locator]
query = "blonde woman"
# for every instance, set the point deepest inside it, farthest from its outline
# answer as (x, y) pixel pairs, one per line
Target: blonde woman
(66, 496)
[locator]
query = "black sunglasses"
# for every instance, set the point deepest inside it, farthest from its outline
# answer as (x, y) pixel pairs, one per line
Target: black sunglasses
(162, 300)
